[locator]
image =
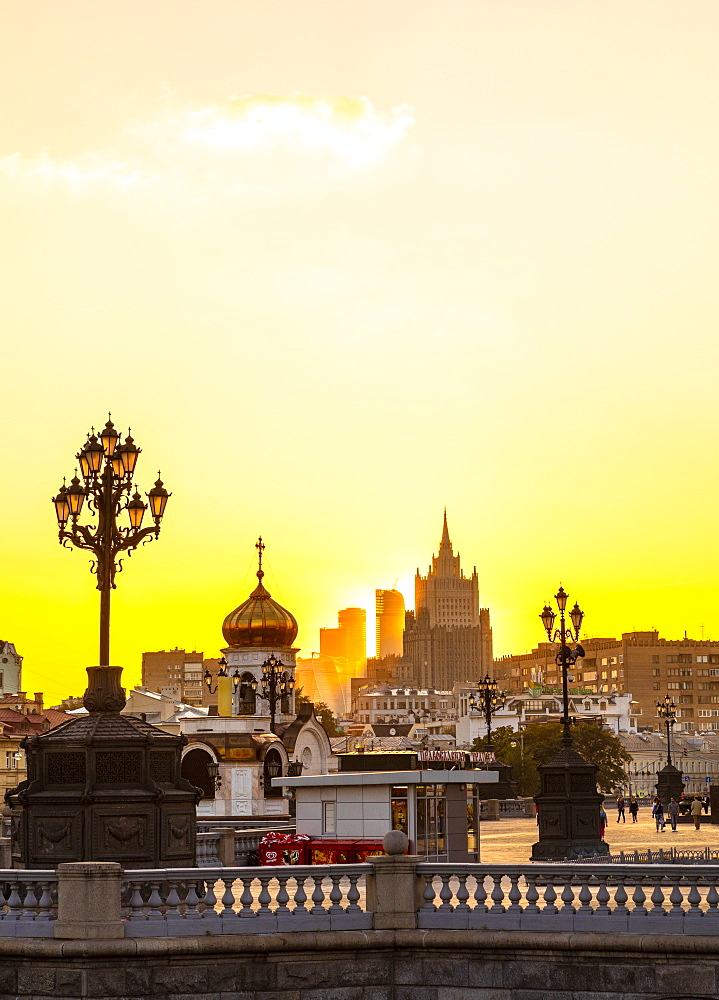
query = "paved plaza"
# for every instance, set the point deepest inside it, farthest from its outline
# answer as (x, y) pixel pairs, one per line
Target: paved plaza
(510, 840)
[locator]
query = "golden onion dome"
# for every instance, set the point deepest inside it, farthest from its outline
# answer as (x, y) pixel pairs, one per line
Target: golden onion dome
(259, 621)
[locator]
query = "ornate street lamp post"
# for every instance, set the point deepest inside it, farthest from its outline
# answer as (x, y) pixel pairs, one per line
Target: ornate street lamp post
(107, 465)
(568, 802)
(670, 783)
(221, 672)
(566, 657)
(488, 700)
(276, 684)
(667, 710)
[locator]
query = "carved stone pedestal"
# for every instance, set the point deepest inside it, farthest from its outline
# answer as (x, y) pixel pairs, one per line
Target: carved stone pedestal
(670, 784)
(104, 787)
(568, 810)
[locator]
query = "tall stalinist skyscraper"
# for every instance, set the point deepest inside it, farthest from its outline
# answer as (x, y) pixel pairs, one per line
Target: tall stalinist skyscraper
(448, 638)
(450, 598)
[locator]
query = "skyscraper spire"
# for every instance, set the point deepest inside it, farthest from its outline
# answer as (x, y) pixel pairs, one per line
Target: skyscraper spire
(445, 543)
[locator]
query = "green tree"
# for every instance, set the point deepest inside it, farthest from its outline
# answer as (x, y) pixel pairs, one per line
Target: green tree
(323, 712)
(595, 743)
(543, 741)
(508, 748)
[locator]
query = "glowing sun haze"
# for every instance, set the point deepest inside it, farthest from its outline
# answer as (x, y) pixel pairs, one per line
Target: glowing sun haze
(341, 264)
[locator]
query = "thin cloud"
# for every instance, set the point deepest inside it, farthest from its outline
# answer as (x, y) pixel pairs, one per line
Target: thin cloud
(263, 144)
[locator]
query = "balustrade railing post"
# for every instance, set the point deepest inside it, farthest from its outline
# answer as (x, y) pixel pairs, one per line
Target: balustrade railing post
(226, 848)
(394, 888)
(88, 900)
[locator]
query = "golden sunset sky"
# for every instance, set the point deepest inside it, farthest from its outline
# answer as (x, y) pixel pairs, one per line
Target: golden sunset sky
(342, 262)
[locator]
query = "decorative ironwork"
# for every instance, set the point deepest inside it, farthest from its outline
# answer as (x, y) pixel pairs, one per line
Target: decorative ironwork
(162, 768)
(566, 657)
(667, 710)
(107, 465)
(488, 700)
(277, 683)
(66, 769)
(114, 768)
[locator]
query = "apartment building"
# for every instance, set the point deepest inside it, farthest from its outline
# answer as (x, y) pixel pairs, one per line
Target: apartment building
(642, 663)
(176, 673)
(403, 705)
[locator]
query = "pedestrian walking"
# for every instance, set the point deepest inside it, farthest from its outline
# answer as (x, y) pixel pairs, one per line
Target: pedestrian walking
(697, 812)
(673, 810)
(633, 808)
(658, 813)
(602, 822)
(620, 809)
(707, 801)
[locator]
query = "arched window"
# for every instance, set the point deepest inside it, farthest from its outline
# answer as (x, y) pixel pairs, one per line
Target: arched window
(194, 769)
(272, 768)
(247, 696)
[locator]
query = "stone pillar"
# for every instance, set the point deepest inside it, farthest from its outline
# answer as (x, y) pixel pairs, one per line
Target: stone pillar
(88, 900)
(224, 696)
(528, 805)
(492, 809)
(394, 889)
(226, 848)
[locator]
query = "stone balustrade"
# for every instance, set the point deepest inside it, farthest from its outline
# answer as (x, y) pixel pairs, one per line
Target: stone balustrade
(28, 903)
(90, 899)
(659, 899)
(245, 900)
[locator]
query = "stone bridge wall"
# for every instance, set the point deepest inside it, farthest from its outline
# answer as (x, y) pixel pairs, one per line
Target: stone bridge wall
(436, 964)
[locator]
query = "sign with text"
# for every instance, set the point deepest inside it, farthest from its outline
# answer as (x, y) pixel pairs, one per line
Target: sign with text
(457, 756)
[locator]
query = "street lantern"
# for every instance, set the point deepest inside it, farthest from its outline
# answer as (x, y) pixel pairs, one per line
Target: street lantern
(94, 454)
(62, 507)
(566, 657)
(130, 453)
(221, 672)
(548, 617)
(158, 497)
(136, 510)
(75, 497)
(106, 466)
(109, 438)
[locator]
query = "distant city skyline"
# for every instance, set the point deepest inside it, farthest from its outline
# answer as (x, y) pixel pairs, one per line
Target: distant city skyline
(397, 257)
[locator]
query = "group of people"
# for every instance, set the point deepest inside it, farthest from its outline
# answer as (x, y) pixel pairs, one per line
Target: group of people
(633, 809)
(673, 809)
(697, 805)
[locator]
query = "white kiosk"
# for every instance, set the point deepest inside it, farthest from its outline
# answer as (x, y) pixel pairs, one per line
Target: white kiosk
(438, 810)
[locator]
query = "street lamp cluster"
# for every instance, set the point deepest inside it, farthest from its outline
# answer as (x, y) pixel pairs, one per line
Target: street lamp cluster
(667, 710)
(277, 683)
(107, 464)
(566, 657)
(488, 700)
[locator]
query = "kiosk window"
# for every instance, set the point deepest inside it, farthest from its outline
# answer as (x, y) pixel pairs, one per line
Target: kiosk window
(430, 820)
(399, 808)
(328, 817)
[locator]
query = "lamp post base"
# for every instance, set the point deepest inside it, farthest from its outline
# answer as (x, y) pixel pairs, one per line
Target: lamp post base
(568, 810)
(569, 850)
(670, 784)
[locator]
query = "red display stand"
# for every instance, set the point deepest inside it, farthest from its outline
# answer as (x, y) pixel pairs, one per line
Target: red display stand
(299, 849)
